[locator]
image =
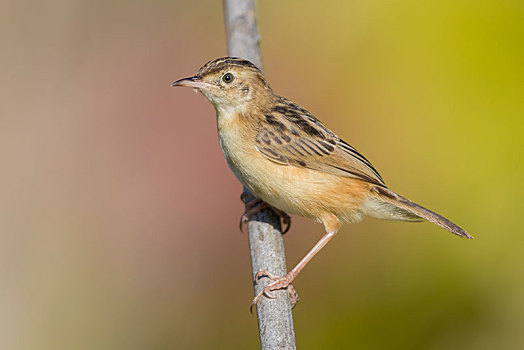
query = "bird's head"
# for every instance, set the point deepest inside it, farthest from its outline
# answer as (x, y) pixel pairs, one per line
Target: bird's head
(230, 83)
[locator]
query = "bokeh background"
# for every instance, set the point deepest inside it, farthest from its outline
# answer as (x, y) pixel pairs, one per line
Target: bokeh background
(119, 216)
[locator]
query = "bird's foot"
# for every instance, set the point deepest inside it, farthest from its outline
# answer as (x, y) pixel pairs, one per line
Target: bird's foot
(254, 205)
(278, 283)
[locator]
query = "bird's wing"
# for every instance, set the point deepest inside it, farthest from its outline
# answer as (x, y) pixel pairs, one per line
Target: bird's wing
(290, 135)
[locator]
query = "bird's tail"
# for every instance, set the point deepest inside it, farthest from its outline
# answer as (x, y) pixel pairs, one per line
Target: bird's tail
(398, 201)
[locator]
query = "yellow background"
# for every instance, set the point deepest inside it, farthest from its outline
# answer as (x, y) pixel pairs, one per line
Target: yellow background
(118, 214)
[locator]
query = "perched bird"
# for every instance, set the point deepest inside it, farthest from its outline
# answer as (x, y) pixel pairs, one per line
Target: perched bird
(289, 159)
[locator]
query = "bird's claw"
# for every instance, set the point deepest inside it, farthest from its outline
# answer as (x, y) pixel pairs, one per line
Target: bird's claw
(278, 283)
(254, 205)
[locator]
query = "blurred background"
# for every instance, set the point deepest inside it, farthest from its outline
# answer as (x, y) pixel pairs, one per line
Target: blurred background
(119, 216)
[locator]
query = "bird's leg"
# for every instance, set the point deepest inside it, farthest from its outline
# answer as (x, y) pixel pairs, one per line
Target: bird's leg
(332, 224)
(254, 205)
(285, 281)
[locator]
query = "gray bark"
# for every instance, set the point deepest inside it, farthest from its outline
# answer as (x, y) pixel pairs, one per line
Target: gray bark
(266, 244)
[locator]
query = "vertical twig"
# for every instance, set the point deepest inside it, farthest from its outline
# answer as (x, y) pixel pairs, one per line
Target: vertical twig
(275, 320)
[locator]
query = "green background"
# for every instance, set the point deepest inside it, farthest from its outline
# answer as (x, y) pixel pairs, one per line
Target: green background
(118, 214)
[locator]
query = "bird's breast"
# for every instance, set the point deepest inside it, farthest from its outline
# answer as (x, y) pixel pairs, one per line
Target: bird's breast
(234, 138)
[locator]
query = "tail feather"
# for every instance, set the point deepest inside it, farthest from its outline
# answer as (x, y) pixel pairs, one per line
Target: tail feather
(403, 203)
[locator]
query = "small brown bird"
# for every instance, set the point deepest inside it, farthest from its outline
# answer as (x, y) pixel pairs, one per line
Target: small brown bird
(289, 159)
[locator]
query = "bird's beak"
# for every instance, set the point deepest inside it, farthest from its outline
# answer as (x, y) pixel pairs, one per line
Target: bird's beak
(193, 82)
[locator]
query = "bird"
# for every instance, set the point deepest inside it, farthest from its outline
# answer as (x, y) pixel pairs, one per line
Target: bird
(286, 157)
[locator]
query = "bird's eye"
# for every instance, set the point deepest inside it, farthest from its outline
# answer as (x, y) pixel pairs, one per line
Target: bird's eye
(228, 78)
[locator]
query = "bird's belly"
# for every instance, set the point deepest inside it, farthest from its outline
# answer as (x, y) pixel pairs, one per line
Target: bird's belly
(301, 191)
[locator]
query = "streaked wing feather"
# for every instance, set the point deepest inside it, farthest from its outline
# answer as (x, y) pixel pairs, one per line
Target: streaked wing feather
(291, 135)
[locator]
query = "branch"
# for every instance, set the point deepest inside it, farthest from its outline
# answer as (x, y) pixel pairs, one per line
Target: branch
(266, 244)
